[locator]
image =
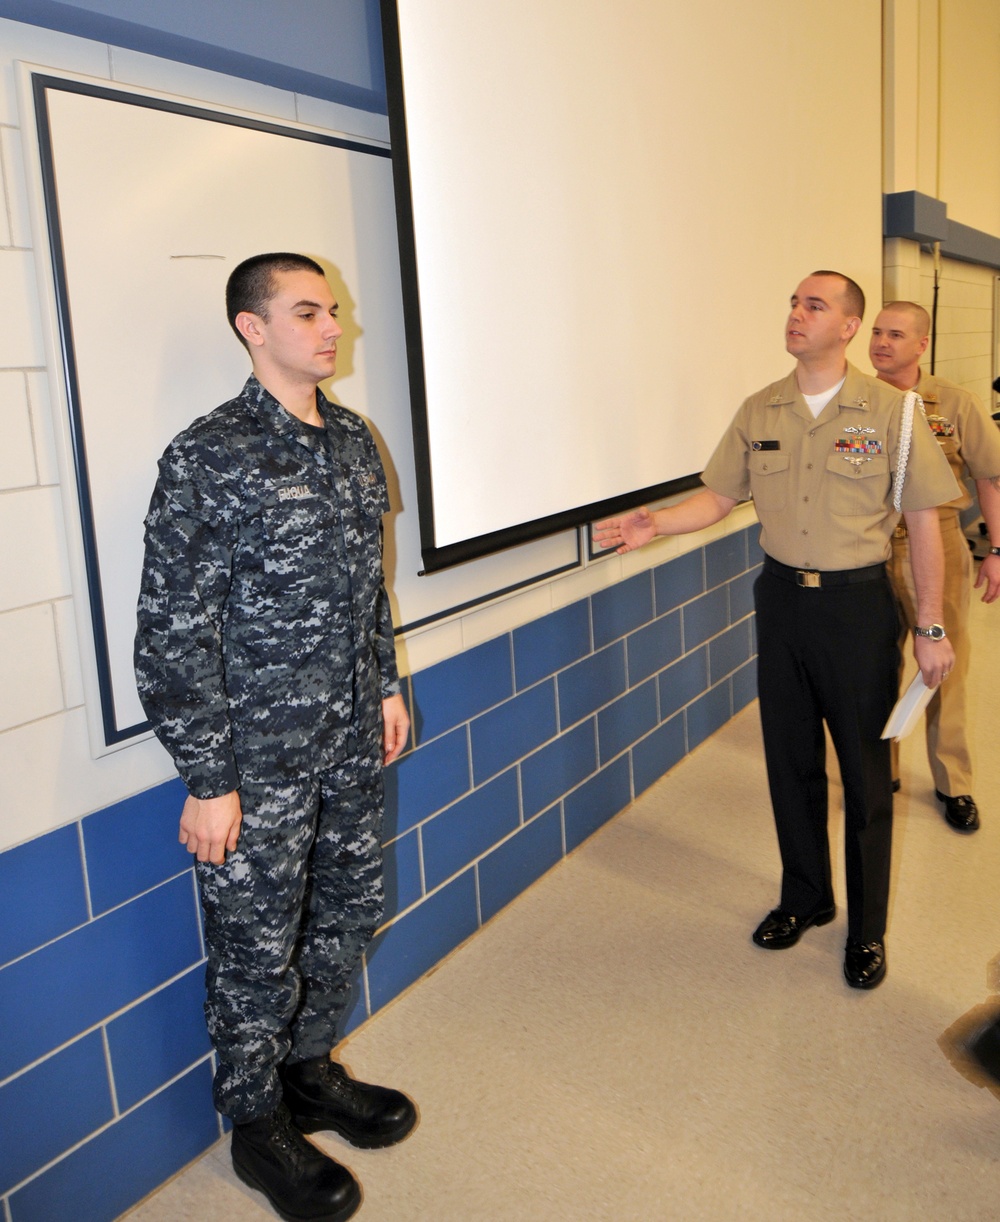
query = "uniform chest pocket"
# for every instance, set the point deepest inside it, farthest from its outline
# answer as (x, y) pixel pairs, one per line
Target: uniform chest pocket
(949, 447)
(370, 492)
(296, 526)
(368, 500)
(857, 487)
(769, 479)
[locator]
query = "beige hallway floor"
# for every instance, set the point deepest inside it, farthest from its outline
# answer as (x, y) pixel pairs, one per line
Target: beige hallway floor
(612, 1046)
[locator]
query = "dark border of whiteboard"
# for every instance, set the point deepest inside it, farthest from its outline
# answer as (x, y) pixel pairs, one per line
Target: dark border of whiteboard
(114, 733)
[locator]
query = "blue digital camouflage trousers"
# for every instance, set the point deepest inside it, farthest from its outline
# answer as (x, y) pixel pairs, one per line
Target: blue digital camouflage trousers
(287, 920)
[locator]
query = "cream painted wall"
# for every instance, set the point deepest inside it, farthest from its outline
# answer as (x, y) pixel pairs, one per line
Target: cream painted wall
(941, 122)
(910, 96)
(969, 173)
(941, 126)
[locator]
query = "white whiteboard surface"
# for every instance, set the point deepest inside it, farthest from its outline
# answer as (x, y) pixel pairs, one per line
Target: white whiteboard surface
(612, 203)
(156, 206)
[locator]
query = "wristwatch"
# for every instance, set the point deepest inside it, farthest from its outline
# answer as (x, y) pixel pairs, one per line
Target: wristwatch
(995, 551)
(934, 631)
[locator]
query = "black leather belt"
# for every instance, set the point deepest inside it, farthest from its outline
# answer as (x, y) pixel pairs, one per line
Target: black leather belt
(816, 580)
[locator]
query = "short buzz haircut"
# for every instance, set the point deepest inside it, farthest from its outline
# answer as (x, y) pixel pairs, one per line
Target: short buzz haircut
(917, 312)
(854, 299)
(251, 285)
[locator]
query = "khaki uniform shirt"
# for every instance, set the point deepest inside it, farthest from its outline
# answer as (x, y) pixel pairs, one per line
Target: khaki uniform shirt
(969, 438)
(823, 487)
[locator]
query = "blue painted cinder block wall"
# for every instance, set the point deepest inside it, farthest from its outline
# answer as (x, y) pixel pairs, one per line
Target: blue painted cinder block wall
(522, 748)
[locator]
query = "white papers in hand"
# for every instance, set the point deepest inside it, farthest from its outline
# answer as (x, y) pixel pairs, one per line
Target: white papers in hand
(908, 708)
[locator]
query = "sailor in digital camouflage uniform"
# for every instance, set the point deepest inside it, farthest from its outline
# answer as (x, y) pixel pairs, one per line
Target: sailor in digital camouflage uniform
(818, 452)
(970, 441)
(265, 662)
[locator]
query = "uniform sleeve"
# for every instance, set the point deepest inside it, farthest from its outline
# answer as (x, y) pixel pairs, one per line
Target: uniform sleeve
(927, 481)
(385, 645)
(980, 441)
(727, 472)
(385, 641)
(190, 536)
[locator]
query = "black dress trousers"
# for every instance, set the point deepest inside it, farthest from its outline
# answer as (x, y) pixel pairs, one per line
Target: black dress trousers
(829, 655)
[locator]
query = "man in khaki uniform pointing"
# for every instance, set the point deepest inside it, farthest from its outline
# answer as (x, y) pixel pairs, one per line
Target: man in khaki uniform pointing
(820, 452)
(971, 443)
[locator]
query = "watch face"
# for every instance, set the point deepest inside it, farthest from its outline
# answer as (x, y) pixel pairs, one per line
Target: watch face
(934, 631)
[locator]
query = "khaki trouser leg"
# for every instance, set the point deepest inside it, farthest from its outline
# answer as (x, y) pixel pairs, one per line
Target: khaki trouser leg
(947, 743)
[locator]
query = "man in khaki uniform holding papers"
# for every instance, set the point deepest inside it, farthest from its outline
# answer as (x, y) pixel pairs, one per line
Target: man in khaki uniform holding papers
(970, 441)
(820, 452)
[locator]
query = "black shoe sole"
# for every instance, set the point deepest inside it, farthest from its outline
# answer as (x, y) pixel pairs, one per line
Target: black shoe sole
(963, 829)
(312, 1124)
(340, 1215)
(866, 984)
(873, 981)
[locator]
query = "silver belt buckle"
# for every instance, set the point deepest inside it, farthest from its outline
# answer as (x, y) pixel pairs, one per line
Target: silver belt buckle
(807, 578)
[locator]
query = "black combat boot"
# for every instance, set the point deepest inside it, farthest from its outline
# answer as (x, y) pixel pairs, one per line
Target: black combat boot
(302, 1184)
(321, 1095)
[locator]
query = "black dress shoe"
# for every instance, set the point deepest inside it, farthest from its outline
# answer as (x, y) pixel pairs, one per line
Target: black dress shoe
(300, 1181)
(961, 813)
(864, 964)
(321, 1095)
(780, 928)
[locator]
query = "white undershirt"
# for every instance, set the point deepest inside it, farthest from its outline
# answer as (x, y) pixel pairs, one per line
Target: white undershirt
(816, 403)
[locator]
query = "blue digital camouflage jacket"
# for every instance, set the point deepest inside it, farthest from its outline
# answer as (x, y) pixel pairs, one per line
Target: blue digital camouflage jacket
(264, 631)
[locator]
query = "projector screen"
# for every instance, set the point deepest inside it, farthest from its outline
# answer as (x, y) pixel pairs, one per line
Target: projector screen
(603, 208)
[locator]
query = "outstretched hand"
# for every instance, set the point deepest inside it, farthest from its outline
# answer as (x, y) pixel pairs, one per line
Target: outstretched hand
(626, 533)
